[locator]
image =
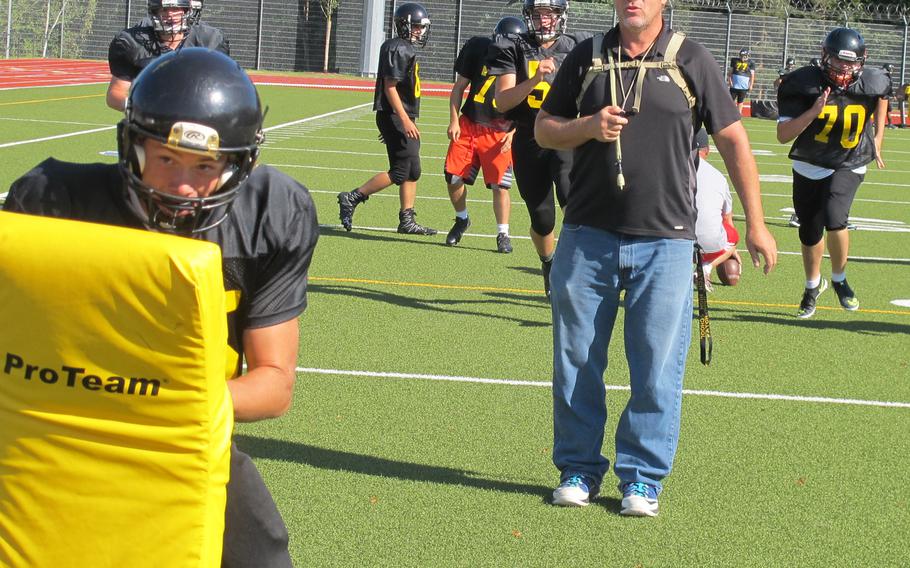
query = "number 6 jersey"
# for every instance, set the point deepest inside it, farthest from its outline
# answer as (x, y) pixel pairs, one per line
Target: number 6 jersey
(841, 135)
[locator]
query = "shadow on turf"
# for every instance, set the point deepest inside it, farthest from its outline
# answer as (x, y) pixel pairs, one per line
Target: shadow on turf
(322, 458)
(388, 236)
(497, 299)
(817, 322)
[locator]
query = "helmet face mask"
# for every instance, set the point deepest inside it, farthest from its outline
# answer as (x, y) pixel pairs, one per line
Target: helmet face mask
(556, 12)
(412, 23)
(222, 120)
(843, 56)
(155, 7)
(744, 54)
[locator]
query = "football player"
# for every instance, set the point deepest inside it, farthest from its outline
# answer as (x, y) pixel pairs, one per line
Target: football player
(170, 24)
(524, 66)
(888, 68)
(714, 229)
(741, 77)
(396, 101)
(187, 167)
(480, 138)
(790, 65)
(827, 111)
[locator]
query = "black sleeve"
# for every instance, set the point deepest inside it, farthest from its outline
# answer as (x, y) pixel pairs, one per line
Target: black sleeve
(281, 285)
(203, 35)
(395, 63)
(502, 56)
(794, 96)
(713, 106)
(31, 194)
(464, 63)
(122, 57)
(567, 84)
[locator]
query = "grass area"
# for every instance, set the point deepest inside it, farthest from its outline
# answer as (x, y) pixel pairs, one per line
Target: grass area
(377, 464)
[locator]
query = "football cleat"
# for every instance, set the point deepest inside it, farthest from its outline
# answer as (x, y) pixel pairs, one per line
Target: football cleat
(408, 226)
(347, 201)
(503, 243)
(457, 231)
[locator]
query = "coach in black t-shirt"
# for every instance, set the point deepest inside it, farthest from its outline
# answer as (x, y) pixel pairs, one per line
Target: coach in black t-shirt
(264, 222)
(170, 24)
(630, 227)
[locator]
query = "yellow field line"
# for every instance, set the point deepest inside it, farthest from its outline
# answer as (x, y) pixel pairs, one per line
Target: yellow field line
(540, 292)
(32, 101)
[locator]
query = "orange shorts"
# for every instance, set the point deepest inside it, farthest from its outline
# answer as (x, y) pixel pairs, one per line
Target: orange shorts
(478, 148)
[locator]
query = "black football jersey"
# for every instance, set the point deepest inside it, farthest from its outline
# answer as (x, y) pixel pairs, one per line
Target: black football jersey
(134, 48)
(521, 56)
(398, 60)
(267, 240)
(841, 135)
(480, 105)
(741, 67)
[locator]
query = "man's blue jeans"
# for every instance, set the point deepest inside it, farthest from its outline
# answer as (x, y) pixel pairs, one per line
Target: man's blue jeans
(590, 269)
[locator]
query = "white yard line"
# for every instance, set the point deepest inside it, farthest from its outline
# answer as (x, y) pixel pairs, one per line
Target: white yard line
(547, 384)
(57, 137)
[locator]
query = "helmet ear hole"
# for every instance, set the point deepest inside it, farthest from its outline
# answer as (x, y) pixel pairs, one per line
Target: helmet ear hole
(139, 153)
(226, 175)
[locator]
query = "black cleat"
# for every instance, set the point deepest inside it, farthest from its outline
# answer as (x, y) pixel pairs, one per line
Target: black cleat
(347, 201)
(545, 267)
(408, 226)
(457, 231)
(845, 296)
(503, 243)
(810, 296)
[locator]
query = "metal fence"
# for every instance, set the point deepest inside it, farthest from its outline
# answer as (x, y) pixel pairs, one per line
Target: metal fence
(289, 35)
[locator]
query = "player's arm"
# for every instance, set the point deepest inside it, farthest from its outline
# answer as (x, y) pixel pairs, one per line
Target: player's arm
(789, 129)
(751, 78)
(391, 93)
(509, 94)
(733, 144)
(266, 389)
(455, 101)
(117, 91)
(881, 115)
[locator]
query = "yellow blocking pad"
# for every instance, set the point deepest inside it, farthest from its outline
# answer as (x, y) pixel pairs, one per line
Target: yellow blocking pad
(115, 418)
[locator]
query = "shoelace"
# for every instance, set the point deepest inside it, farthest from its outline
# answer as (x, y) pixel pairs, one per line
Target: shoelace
(638, 489)
(576, 480)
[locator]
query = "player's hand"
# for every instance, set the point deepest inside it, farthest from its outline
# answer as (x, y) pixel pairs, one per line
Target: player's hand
(761, 243)
(545, 67)
(821, 100)
(454, 131)
(507, 142)
(607, 123)
(410, 129)
(879, 161)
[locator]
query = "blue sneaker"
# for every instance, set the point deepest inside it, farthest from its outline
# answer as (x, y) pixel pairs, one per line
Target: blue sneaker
(575, 491)
(638, 499)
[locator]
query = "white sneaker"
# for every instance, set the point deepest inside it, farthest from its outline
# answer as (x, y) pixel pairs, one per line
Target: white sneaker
(638, 500)
(575, 491)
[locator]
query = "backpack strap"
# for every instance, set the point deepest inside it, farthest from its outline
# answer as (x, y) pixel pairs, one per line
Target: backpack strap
(668, 64)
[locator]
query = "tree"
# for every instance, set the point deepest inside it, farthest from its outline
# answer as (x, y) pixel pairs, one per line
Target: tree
(328, 8)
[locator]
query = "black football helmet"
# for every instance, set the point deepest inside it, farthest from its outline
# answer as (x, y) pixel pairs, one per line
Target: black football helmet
(745, 54)
(192, 100)
(790, 64)
(815, 62)
(510, 25)
(539, 32)
(889, 68)
(409, 15)
(155, 6)
(843, 55)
